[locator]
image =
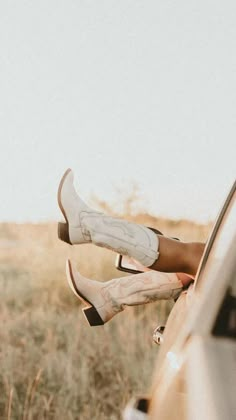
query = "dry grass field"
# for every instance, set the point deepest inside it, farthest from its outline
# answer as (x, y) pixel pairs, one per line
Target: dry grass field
(53, 365)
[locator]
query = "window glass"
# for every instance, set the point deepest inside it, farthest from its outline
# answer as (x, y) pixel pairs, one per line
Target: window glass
(223, 239)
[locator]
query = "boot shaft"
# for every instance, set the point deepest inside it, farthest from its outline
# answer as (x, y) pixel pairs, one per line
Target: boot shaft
(142, 288)
(85, 225)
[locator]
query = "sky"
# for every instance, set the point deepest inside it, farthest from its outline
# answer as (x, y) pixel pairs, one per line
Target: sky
(125, 93)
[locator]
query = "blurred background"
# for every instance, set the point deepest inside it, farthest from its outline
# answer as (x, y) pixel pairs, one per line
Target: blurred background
(139, 99)
(121, 92)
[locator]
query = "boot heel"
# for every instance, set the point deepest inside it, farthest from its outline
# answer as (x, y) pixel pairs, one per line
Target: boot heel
(63, 232)
(92, 316)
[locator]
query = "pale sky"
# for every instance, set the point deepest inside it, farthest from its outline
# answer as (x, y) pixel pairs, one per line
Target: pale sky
(121, 91)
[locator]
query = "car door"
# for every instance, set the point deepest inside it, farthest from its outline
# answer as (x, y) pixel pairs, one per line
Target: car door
(201, 320)
(191, 331)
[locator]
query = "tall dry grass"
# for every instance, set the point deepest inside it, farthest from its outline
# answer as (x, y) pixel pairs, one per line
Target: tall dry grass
(53, 365)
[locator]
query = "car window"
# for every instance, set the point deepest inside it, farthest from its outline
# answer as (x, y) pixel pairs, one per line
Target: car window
(220, 240)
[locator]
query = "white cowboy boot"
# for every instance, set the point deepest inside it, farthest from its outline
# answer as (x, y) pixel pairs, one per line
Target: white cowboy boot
(106, 299)
(84, 225)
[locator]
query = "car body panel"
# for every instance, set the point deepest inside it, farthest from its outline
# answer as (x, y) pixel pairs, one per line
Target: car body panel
(210, 375)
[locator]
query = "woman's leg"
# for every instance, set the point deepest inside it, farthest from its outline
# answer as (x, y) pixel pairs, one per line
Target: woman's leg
(176, 256)
(105, 299)
(84, 225)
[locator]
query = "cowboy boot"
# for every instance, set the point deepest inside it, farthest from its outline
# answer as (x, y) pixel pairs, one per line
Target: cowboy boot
(105, 299)
(84, 225)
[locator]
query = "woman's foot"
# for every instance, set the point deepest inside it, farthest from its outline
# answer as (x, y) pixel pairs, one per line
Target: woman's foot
(105, 299)
(84, 225)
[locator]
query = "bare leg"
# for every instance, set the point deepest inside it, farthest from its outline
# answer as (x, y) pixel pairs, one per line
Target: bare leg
(176, 256)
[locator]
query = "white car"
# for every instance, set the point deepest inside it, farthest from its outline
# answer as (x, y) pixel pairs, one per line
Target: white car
(195, 373)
